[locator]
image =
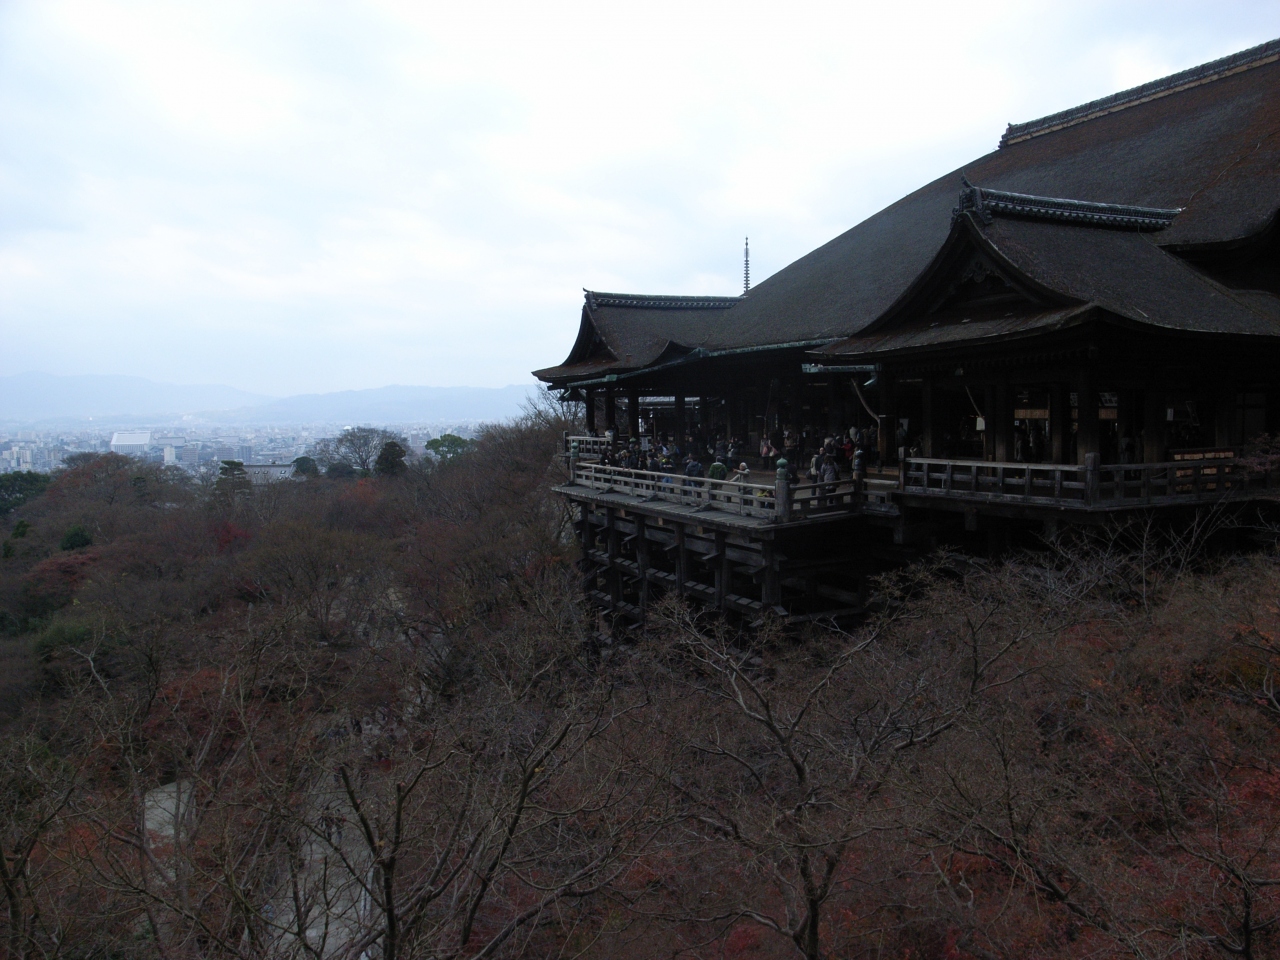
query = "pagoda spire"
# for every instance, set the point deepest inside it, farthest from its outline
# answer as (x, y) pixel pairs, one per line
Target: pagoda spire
(746, 265)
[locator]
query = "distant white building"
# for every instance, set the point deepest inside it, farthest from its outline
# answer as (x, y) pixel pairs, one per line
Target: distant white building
(263, 473)
(132, 443)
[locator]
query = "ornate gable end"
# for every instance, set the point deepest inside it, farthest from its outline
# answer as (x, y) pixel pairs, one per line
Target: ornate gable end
(978, 286)
(965, 282)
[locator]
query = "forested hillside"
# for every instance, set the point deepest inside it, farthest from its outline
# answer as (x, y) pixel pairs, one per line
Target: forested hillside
(370, 718)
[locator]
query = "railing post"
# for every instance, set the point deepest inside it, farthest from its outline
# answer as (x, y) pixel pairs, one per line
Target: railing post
(1090, 477)
(782, 494)
(573, 461)
(902, 474)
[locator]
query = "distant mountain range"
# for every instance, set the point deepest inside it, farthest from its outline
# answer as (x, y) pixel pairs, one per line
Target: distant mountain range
(32, 399)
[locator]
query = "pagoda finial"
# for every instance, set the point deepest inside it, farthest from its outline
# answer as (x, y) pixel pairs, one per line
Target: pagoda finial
(746, 265)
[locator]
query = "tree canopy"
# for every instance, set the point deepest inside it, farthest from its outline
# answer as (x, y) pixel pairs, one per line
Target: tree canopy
(390, 460)
(20, 486)
(447, 446)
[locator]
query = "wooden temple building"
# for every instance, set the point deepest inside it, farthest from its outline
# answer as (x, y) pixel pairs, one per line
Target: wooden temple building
(1083, 323)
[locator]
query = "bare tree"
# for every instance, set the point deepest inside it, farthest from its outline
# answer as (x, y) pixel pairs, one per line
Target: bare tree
(359, 446)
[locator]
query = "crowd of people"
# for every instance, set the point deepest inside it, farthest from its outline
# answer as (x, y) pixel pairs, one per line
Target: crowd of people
(828, 461)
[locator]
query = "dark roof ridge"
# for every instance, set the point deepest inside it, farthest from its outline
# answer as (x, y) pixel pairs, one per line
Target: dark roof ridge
(1193, 77)
(595, 298)
(989, 203)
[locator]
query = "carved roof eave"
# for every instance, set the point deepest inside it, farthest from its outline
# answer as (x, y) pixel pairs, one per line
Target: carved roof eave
(589, 343)
(987, 204)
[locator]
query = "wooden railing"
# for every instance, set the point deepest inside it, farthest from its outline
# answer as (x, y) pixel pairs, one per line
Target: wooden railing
(1091, 485)
(587, 447)
(780, 502)
(745, 499)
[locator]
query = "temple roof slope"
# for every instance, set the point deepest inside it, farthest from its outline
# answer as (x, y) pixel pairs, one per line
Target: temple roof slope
(1053, 275)
(1203, 145)
(623, 331)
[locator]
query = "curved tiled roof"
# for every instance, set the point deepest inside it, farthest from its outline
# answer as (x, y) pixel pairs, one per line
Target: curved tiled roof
(1209, 149)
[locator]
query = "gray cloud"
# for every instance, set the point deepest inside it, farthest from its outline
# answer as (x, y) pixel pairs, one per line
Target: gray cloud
(347, 195)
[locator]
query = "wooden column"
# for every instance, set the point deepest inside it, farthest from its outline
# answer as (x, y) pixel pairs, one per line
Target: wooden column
(614, 575)
(586, 534)
(989, 416)
(642, 559)
(834, 407)
(591, 410)
(680, 420)
(1224, 415)
(1059, 422)
(928, 440)
(682, 561)
(770, 591)
(888, 425)
(1154, 425)
(1127, 425)
(633, 413)
(610, 410)
(721, 569)
(1002, 415)
(1087, 414)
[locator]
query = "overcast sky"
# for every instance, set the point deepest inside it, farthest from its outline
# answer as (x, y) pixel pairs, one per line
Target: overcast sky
(312, 196)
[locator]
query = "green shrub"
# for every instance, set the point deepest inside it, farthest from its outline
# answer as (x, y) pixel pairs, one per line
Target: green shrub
(75, 538)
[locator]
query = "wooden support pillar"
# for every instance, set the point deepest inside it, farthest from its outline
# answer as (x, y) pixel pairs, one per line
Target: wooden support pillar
(1155, 415)
(680, 420)
(1272, 411)
(588, 534)
(584, 531)
(682, 561)
(1224, 414)
(613, 545)
(929, 441)
(1059, 422)
(1002, 415)
(1127, 427)
(591, 410)
(721, 569)
(835, 417)
(633, 413)
(642, 559)
(771, 591)
(989, 417)
(610, 410)
(888, 425)
(1087, 439)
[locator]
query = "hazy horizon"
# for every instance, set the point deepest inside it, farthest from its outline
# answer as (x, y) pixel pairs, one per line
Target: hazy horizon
(45, 401)
(333, 198)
